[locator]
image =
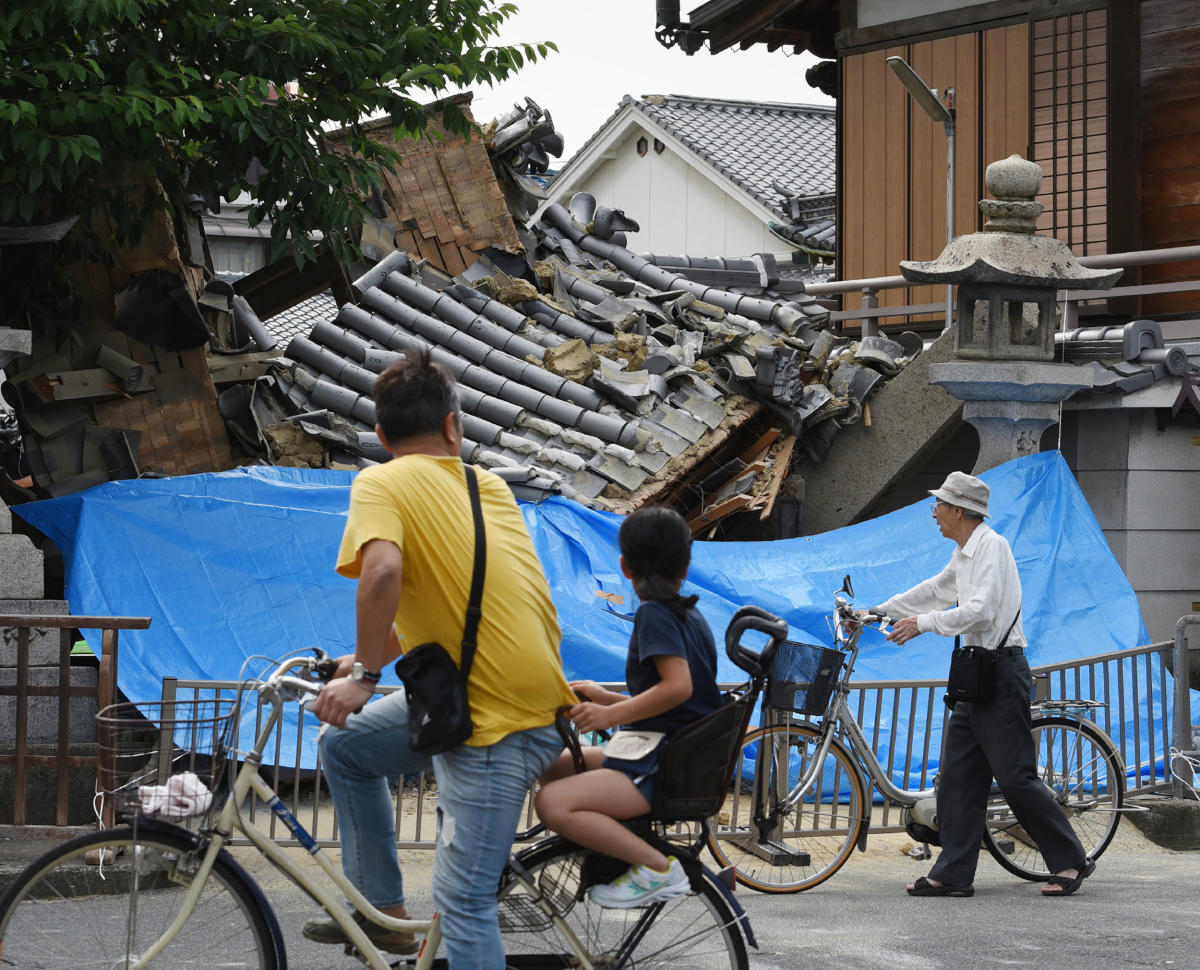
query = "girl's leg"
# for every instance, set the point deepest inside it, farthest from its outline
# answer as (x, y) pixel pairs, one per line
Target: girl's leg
(564, 765)
(569, 807)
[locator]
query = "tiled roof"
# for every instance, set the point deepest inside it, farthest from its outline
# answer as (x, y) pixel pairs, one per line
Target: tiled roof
(298, 320)
(756, 145)
(1130, 357)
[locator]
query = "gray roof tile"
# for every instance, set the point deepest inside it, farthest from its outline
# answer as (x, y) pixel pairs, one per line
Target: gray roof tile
(755, 144)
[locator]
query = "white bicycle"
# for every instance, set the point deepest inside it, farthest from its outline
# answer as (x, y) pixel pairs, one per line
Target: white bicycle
(154, 893)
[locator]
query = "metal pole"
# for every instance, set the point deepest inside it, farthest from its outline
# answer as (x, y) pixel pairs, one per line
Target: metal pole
(948, 125)
(1181, 769)
(869, 326)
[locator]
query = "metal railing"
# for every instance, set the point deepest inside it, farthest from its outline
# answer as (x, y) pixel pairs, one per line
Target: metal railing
(870, 313)
(897, 718)
(66, 759)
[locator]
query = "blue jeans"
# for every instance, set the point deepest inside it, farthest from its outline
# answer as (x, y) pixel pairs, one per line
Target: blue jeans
(481, 792)
(359, 761)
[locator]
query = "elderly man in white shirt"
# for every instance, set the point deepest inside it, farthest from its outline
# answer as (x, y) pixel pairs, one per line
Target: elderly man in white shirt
(977, 598)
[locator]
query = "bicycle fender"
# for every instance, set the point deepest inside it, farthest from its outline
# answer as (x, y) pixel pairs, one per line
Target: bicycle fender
(268, 912)
(739, 914)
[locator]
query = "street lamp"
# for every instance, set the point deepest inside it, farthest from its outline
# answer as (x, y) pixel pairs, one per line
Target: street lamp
(927, 98)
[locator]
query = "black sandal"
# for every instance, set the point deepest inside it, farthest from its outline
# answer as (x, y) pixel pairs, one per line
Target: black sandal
(1070, 883)
(923, 887)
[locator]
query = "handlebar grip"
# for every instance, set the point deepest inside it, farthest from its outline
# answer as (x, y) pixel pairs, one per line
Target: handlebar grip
(754, 618)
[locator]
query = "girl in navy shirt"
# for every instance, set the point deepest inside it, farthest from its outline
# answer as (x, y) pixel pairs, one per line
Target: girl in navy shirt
(671, 673)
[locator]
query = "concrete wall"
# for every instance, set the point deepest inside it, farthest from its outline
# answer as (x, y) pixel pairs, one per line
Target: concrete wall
(1143, 485)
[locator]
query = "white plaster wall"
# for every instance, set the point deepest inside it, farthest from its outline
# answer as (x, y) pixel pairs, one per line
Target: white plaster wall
(681, 211)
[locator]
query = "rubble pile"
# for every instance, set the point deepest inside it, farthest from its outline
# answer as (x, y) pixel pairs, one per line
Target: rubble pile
(586, 370)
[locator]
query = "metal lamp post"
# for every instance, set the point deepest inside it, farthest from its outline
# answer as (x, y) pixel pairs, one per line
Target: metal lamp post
(933, 105)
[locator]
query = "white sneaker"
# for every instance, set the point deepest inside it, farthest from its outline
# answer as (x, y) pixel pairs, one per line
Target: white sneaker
(641, 886)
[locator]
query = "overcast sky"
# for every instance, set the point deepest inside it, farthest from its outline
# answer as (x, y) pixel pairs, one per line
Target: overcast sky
(607, 49)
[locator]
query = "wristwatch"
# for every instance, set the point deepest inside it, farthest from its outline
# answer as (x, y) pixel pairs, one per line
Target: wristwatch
(364, 677)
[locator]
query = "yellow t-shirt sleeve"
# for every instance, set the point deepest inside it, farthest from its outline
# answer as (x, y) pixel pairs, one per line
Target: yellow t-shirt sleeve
(374, 514)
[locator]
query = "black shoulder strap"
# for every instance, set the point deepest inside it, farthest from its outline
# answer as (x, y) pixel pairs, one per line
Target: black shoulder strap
(1010, 629)
(474, 611)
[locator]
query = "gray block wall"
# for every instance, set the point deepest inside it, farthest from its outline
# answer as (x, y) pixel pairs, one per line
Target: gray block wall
(1143, 485)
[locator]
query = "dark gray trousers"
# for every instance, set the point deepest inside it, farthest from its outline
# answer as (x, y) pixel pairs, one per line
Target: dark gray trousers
(990, 740)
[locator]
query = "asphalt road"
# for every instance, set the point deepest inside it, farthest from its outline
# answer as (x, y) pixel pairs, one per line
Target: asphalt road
(1141, 908)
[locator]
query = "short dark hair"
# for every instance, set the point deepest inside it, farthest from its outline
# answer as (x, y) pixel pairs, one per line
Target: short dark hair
(413, 396)
(657, 545)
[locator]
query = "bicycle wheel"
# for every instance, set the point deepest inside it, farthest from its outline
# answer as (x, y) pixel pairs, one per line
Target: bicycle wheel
(696, 931)
(64, 911)
(796, 847)
(1087, 779)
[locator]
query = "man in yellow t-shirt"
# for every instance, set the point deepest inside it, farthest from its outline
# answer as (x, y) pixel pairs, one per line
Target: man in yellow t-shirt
(410, 541)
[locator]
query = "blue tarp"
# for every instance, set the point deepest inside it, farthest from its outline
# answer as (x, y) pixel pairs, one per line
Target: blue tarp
(240, 563)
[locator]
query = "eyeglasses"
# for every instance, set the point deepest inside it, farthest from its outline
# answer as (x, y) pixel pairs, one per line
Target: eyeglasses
(934, 506)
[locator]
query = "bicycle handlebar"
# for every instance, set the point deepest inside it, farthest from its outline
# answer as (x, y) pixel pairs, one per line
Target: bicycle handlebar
(754, 618)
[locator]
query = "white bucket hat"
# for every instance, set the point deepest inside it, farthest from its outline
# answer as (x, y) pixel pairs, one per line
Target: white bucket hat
(965, 491)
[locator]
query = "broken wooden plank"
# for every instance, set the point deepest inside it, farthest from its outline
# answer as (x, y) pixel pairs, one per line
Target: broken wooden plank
(763, 444)
(716, 512)
(782, 460)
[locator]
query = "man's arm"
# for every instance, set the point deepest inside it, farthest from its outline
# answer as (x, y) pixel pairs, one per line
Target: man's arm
(933, 594)
(379, 585)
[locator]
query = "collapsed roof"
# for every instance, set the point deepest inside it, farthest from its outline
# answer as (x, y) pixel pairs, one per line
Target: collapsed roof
(586, 370)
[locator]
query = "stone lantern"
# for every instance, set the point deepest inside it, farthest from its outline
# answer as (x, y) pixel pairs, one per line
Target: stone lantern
(1008, 281)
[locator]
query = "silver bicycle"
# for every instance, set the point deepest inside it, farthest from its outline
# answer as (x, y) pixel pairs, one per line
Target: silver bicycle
(801, 801)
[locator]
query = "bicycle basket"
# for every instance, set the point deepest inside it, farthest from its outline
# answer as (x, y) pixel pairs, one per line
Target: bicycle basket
(164, 758)
(803, 677)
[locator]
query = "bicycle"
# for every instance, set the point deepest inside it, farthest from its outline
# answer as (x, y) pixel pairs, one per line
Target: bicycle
(153, 892)
(805, 805)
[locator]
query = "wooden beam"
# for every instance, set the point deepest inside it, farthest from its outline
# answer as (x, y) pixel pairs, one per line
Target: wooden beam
(762, 444)
(718, 512)
(782, 460)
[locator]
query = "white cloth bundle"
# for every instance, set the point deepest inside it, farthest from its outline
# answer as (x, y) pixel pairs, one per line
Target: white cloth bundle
(182, 796)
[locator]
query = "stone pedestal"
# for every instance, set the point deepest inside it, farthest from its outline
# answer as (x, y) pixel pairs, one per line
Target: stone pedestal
(1009, 403)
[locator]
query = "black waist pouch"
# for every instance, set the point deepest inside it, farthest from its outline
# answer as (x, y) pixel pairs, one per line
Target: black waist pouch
(972, 675)
(439, 717)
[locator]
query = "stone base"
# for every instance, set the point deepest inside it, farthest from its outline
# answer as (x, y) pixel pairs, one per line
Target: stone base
(1009, 403)
(1193, 666)
(43, 642)
(22, 571)
(1173, 823)
(42, 725)
(41, 791)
